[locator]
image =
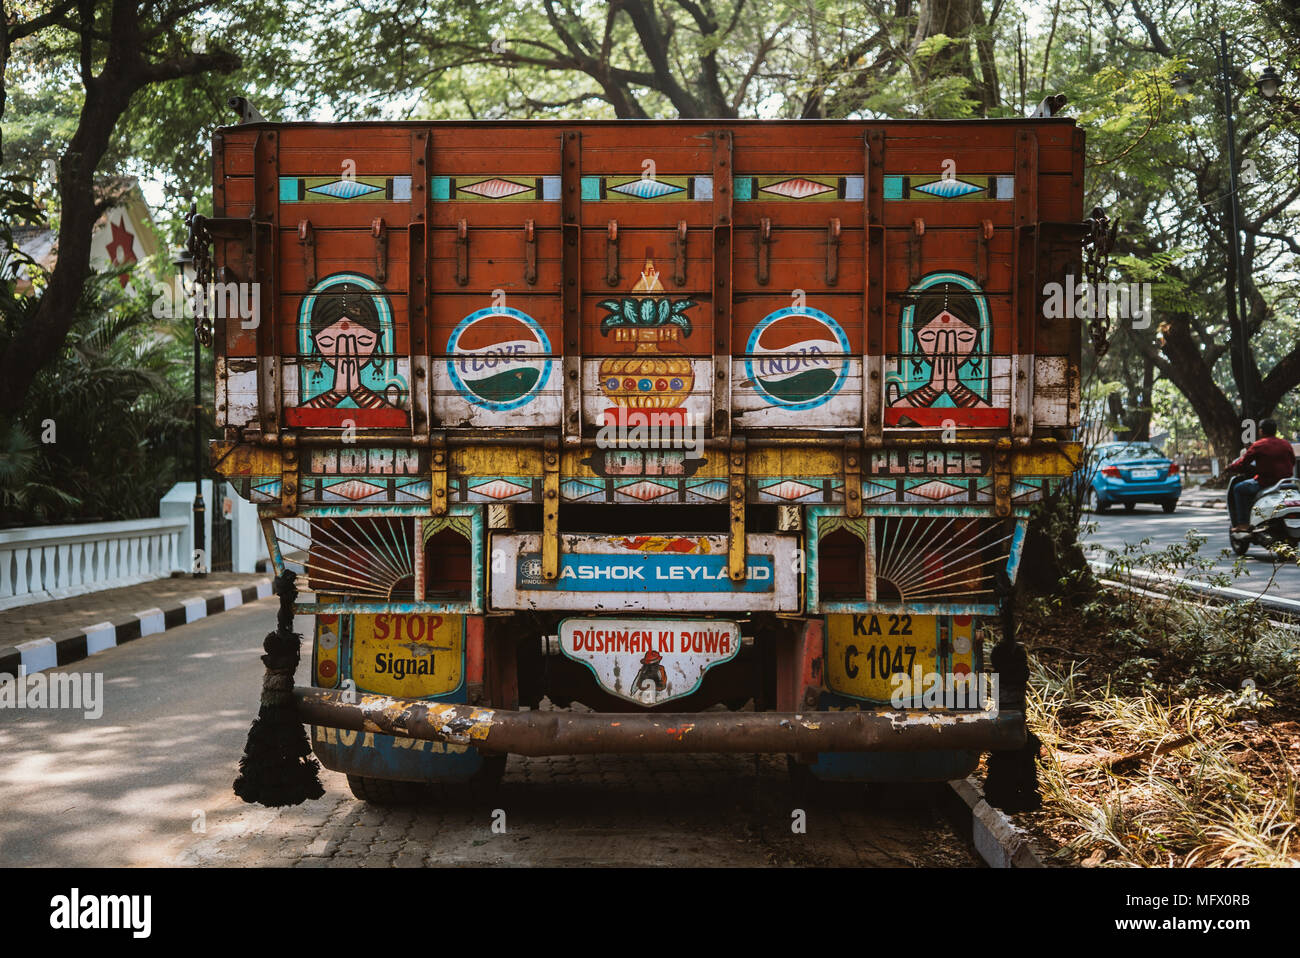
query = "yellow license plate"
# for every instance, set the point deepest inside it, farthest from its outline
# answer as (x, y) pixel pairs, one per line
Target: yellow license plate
(879, 657)
(410, 656)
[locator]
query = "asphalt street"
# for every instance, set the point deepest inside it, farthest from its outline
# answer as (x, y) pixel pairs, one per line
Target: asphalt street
(1256, 573)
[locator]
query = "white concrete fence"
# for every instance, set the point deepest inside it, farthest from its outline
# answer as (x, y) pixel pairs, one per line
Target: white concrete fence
(41, 563)
(54, 562)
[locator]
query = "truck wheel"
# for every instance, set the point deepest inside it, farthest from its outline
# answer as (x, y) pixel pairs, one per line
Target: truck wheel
(381, 791)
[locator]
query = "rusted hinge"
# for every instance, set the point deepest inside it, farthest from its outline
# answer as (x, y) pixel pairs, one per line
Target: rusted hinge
(833, 252)
(679, 264)
(379, 230)
(289, 478)
(611, 253)
(736, 538)
(462, 253)
(982, 257)
(438, 474)
(764, 250)
(530, 252)
(1002, 478)
(852, 480)
(551, 508)
(914, 252)
(307, 240)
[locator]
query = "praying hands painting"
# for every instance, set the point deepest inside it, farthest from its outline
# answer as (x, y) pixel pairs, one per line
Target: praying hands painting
(944, 374)
(348, 367)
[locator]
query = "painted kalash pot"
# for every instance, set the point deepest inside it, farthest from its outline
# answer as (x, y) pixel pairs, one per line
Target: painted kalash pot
(648, 379)
(735, 459)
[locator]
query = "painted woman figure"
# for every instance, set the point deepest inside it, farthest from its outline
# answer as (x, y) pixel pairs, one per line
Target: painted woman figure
(346, 332)
(946, 326)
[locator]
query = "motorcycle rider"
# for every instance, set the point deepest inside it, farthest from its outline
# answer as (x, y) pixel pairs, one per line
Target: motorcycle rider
(1272, 460)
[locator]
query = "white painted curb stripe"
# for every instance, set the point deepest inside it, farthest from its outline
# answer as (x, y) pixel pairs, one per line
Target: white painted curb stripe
(195, 609)
(264, 590)
(234, 597)
(100, 637)
(38, 654)
(151, 622)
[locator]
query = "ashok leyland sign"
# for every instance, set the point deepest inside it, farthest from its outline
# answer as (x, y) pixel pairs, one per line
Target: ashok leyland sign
(646, 573)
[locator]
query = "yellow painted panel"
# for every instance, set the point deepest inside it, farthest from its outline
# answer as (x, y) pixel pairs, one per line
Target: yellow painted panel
(408, 656)
(871, 656)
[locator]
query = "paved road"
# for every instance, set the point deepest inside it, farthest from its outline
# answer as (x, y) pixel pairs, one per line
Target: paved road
(1117, 527)
(133, 787)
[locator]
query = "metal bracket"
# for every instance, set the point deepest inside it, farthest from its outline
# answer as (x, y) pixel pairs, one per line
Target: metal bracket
(736, 538)
(530, 252)
(379, 230)
(833, 252)
(679, 263)
(764, 250)
(611, 254)
(462, 253)
(1002, 478)
(438, 474)
(852, 480)
(307, 240)
(551, 509)
(914, 252)
(289, 478)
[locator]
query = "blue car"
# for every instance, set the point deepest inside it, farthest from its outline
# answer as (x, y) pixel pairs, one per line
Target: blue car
(1129, 473)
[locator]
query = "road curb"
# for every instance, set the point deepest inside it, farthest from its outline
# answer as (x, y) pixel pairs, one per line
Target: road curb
(36, 655)
(997, 840)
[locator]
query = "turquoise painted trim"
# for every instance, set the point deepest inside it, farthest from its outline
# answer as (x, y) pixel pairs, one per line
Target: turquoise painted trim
(1017, 549)
(590, 188)
(288, 189)
(744, 187)
(814, 514)
(440, 188)
(893, 187)
(928, 608)
(385, 608)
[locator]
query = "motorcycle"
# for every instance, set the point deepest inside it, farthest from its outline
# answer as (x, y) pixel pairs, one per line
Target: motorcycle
(1274, 517)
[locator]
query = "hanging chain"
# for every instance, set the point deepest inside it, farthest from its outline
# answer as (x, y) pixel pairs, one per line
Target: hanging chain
(1099, 241)
(199, 244)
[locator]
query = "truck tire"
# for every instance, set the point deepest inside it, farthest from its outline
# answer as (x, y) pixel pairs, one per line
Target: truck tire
(381, 791)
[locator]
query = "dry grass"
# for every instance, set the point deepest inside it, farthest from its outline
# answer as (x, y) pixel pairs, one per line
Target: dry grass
(1223, 796)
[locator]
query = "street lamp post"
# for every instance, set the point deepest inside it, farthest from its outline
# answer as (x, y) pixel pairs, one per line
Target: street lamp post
(184, 263)
(1268, 84)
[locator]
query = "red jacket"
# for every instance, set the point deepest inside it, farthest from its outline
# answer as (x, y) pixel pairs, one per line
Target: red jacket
(1273, 460)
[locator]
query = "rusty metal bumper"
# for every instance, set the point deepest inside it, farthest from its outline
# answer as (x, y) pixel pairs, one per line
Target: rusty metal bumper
(582, 733)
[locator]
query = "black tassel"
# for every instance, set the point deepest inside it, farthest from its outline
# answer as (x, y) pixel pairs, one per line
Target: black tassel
(276, 769)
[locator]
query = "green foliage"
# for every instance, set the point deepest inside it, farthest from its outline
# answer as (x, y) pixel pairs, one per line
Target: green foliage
(113, 403)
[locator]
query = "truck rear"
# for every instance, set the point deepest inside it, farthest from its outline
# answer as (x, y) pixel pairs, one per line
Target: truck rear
(727, 431)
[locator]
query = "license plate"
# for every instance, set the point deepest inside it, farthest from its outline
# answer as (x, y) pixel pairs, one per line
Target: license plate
(1143, 473)
(409, 656)
(889, 658)
(649, 661)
